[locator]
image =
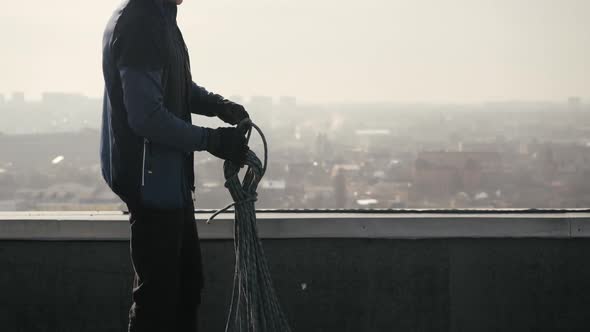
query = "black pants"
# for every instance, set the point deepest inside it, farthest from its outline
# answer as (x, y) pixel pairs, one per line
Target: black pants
(166, 256)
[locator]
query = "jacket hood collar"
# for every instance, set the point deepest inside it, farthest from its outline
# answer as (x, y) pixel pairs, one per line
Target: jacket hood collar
(168, 9)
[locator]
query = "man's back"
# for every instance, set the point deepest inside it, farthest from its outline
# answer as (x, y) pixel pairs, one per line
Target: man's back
(146, 152)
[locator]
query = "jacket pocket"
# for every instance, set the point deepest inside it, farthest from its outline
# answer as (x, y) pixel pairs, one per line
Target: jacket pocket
(161, 185)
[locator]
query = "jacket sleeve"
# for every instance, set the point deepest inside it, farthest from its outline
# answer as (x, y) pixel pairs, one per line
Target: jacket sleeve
(204, 102)
(148, 117)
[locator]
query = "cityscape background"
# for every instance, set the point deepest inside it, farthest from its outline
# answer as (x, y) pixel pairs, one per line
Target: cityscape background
(389, 107)
(479, 155)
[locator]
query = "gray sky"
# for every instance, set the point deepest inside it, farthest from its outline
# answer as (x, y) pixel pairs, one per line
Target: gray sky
(325, 50)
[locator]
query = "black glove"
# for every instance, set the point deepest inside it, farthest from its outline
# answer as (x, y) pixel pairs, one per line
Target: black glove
(232, 113)
(228, 143)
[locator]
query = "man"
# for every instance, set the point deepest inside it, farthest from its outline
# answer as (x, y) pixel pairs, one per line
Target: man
(147, 150)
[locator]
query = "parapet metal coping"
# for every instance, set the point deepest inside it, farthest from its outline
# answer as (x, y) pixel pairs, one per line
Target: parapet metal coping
(287, 224)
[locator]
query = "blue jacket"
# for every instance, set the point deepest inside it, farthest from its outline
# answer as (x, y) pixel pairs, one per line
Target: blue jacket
(147, 137)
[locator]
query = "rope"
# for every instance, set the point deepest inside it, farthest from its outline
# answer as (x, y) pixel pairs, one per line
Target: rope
(254, 304)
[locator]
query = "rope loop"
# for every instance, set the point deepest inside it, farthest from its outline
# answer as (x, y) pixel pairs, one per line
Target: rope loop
(244, 191)
(254, 305)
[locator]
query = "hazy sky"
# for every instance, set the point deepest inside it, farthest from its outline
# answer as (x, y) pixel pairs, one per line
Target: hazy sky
(325, 50)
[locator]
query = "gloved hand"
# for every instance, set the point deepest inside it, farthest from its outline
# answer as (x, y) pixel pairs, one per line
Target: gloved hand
(228, 143)
(232, 113)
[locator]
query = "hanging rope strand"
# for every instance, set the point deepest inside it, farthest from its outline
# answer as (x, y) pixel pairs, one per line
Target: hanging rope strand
(254, 304)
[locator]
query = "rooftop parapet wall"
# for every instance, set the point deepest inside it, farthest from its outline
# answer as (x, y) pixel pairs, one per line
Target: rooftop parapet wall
(274, 225)
(333, 272)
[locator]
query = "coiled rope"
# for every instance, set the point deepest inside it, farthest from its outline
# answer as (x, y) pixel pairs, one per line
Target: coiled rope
(254, 305)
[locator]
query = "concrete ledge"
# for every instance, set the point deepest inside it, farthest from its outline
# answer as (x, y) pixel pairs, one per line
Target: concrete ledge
(101, 226)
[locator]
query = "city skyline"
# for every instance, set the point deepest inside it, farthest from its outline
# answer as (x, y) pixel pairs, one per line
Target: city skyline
(494, 156)
(21, 96)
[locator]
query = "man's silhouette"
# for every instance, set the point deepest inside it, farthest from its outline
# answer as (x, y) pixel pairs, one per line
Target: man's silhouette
(147, 150)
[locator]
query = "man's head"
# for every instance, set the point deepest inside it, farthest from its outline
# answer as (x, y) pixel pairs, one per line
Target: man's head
(177, 2)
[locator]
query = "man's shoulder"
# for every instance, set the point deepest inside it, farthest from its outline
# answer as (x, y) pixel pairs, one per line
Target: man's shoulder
(138, 37)
(137, 21)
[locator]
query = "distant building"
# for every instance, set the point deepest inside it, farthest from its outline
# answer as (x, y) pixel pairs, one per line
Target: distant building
(18, 98)
(261, 103)
(442, 174)
(574, 103)
(260, 109)
(373, 139)
(63, 99)
(287, 102)
(340, 189)
(8, 205)
(347, 169)
(372, 132)
(488, 160)
(274, 184)
(323, 147)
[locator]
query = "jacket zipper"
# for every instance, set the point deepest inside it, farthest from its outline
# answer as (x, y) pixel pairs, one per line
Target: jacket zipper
(146, 164)
(110, 152)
